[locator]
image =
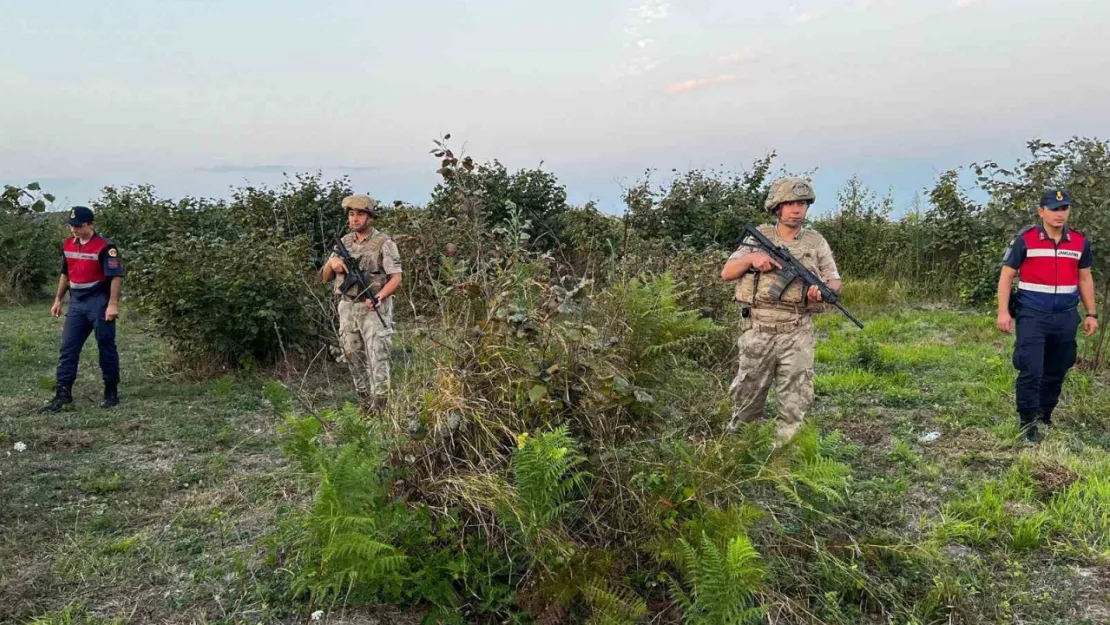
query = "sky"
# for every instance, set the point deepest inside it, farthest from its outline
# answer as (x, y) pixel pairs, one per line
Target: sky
(199, 96)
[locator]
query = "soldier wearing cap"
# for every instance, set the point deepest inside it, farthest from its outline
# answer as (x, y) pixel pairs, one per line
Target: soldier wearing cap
(91, 272)
(1053, 266)
(362, 336)
(777, 341)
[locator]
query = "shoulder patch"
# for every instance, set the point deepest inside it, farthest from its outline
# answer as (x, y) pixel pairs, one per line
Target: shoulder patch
(112, 252)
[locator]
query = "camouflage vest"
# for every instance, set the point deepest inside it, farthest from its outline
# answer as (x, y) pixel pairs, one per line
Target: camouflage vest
(368, 252)
(754, 288)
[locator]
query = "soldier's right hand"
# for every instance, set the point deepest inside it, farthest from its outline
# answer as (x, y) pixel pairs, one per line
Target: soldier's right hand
(1005, 322)
(56, 309)
(764, 262)
(336, 264)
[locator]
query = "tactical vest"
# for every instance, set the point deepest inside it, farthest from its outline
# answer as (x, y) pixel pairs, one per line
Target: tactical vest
(754, 288)
(369, 256)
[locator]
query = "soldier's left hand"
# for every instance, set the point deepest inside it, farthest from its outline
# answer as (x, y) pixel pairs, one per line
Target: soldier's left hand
(370, 304)
(111, 312)
(1090, 326)
(814, 294)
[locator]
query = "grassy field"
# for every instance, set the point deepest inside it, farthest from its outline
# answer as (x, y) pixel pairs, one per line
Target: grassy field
(166, 509)
(153, 512)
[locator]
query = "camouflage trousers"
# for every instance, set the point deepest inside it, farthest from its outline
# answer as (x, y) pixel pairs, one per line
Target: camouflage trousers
(782, 352)
(365, 343)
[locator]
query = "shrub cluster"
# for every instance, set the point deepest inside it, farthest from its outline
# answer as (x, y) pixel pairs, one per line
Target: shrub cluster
(30, 242)
(232, 280)
(186, 251)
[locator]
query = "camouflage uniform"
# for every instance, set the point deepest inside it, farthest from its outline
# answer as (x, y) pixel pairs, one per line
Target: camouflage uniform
(363, 338)
(777, 340)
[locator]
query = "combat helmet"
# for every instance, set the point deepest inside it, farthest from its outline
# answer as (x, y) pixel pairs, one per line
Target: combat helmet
(362, 203)
(789, 189)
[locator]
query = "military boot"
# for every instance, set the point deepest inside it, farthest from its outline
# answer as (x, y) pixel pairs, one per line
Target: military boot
(62, 395)
(1046, 417)
(1028, 421)
(111, 394)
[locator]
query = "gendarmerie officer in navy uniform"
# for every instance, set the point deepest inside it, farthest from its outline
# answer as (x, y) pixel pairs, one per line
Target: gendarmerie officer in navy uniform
(1053, 265)
(91, 271)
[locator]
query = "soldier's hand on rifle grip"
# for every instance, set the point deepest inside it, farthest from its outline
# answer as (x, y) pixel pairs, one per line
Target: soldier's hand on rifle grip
(371, 303)
(814, 294)
(764, 262)
(337, 265)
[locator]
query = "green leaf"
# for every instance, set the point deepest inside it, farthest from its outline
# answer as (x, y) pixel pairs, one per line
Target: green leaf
(538, 392)
(38, 206)
(49, 197)
(34, 186)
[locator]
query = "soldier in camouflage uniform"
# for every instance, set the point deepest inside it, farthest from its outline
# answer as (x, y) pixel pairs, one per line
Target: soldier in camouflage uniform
(363, 337)
(777, 340)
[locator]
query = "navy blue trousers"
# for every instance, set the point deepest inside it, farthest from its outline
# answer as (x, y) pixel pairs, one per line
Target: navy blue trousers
(1044, 351)
(84, 317)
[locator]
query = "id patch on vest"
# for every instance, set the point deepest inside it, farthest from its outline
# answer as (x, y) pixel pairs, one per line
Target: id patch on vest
(112, 252)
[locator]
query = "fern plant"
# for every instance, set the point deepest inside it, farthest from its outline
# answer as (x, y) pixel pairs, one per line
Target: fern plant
(823, 476)
(619, 606)
(546, 475)
(342, 543)
(658, 329)
(720, 583)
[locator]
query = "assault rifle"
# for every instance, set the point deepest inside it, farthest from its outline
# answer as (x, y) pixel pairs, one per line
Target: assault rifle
(792, 270)
(354, 277)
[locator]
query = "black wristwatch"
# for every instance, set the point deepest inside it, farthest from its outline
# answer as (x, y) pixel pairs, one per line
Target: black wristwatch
(1092, 315)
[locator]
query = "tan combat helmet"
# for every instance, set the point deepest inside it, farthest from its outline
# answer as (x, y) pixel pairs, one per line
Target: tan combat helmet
(789, 189)
(360, 202)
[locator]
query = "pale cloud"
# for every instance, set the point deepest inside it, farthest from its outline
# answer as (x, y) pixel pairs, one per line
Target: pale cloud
(647, 19)
(652, 10)
(809, 13)
(752, 52)
(965, 3)
(700, 83)
(635, 68)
